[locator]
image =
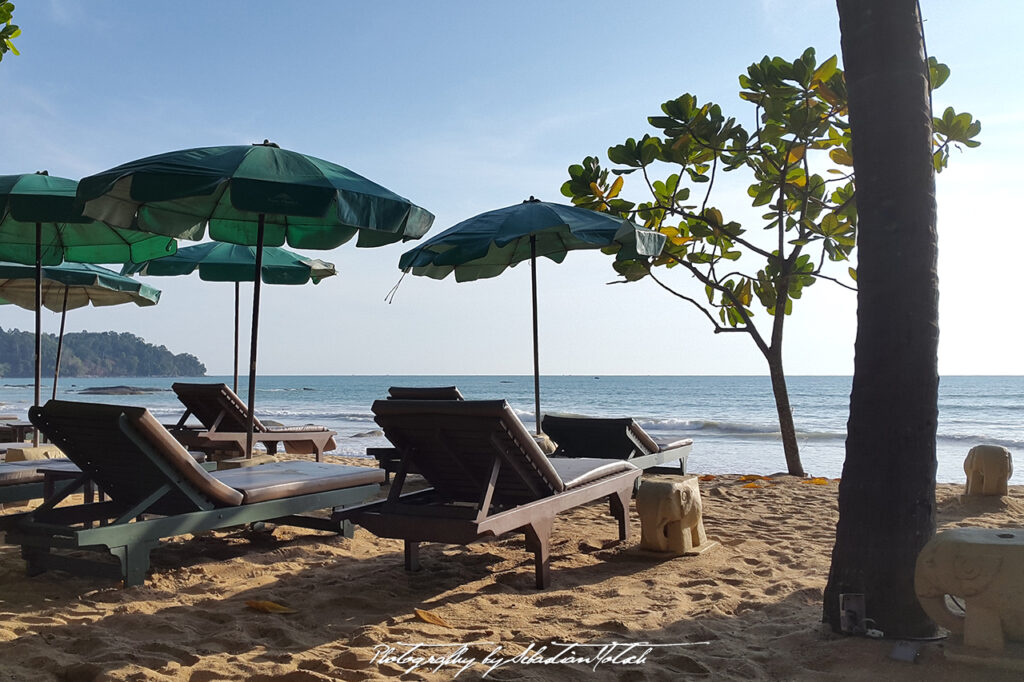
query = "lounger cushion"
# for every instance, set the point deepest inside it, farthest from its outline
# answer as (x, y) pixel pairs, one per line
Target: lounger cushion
(577, 471)
(288, 479)
(179, 457)
(28, 472)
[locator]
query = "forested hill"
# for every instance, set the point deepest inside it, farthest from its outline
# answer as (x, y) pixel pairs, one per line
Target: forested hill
(94, 354)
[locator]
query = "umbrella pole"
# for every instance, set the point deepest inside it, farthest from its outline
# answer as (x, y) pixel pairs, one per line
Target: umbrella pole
(235, 385)
(39, 321)
(255, 330)
(536, 351)
(60, 341)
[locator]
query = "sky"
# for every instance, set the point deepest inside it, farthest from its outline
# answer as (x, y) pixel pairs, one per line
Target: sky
(464, 106)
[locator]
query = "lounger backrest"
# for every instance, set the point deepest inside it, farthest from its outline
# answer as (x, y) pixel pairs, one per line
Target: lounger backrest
(122, 448)
(453, 443)
(424, 393)
(606, 438)
(208, 401)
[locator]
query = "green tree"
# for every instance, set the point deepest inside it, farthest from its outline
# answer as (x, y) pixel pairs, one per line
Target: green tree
(9, 31)
(800, 157)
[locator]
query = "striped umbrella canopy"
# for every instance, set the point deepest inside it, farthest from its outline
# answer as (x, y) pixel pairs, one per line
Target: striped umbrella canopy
(69, 286)
(489, 243)
(41, 224)
(258, 195)
(223, 262)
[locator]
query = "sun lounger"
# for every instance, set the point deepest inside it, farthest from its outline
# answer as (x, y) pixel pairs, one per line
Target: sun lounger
(155, 489)
(616, 438)
(389, 459)
(225, 420)
(489, 478)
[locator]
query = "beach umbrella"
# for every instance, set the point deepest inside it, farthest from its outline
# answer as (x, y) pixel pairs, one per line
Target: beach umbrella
(41, 224)
(258, 195)
(69, 286)
(487, 244)
(223, 262)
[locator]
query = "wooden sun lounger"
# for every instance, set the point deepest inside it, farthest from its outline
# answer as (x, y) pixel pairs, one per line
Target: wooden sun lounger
(225, 419)
(489, 478)
(155, 489)
(389, 459)
(614, 438)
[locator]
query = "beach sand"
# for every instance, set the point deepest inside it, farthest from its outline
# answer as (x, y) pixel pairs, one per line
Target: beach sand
(749, 609)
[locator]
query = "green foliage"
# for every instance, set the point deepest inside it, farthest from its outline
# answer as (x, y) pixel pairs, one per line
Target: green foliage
(800, 160)
(9, 31)
(94, 354)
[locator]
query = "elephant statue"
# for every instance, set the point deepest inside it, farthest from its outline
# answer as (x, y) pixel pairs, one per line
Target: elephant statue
(983, 568)
(671, 517)
(988, 468)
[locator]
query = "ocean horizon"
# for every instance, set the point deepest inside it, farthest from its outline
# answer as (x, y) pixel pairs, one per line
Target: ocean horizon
(731, 418)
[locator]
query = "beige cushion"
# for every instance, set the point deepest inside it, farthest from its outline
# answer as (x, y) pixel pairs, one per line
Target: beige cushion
(179, 458)
(287, 479)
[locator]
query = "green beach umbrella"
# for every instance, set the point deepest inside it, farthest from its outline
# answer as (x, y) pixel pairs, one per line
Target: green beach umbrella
(41, 224)
(258, 195)
(69, 286)
(223, 262)
(487, 244)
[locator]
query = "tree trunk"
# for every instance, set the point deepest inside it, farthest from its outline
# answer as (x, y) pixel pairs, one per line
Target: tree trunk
(887, 494)
(789, 443)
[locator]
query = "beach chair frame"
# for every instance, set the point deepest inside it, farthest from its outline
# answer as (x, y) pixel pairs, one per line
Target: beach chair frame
(612, 438)
(225, 422)
(165, 502)
(489, 478)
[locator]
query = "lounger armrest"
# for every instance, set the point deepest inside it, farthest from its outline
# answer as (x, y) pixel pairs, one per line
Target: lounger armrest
(683, 442)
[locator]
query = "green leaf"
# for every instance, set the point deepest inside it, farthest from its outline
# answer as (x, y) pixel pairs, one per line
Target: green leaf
(937, 73)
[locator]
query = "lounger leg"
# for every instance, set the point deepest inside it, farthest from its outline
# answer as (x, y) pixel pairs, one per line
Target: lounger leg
(619, 504)
(538, 540)
(412, 555)
(134, 560)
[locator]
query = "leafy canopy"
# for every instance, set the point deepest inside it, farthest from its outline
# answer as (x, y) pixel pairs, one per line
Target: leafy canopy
(800, 158)
(9, 31)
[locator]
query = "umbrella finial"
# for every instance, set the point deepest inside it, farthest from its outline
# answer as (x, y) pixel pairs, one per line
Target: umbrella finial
(531, 200)
(266, 143)
(42, 172)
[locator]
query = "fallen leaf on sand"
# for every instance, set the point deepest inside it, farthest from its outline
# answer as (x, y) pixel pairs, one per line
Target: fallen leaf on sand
(707, 477)
(269, 607)
(750, 485)
(754, 477)
(816, 481)
(431, 617)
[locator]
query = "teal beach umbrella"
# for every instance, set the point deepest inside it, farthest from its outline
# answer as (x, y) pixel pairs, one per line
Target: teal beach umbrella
(222, 262)
(69, 286)
(41, 224)
(487, 244)
(258, 195)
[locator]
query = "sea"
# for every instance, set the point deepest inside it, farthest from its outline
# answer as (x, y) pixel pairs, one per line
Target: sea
(731, 419)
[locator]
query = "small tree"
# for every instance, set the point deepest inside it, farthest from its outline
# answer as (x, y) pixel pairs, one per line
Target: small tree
(799, 154)
(9, 31)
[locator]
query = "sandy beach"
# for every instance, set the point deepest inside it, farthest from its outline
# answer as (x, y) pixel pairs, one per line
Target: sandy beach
(747, 610)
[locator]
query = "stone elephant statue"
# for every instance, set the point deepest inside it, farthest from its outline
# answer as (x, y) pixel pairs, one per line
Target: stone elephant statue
(671, 516)
(984, 569)
(988, 468)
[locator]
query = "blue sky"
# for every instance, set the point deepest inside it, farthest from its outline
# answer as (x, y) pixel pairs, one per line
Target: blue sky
(467, 106)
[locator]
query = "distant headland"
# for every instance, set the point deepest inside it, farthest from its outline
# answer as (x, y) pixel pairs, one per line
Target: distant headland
(94, 354)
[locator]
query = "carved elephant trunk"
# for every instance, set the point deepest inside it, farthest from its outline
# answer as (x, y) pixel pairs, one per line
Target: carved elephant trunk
(984, 569)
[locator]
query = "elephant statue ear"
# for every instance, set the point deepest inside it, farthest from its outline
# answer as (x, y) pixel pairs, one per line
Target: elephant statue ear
(975, 571)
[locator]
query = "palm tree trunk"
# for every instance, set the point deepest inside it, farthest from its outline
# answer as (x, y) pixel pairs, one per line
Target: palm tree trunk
(887, 494)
